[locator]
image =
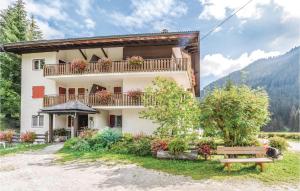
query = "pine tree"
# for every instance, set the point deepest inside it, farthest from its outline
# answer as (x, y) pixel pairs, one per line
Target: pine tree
(33, 32)
(14, 27)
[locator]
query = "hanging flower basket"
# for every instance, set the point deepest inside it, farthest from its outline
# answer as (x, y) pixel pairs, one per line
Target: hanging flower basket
(105, 63)
(135, 95)
(104, 96)
(78, 65)
(135, 61)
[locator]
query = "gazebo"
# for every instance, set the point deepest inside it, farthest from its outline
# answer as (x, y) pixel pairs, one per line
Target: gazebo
(73, 108)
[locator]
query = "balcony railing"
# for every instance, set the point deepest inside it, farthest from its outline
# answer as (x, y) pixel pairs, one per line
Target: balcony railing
(121, 99)
(149, 65)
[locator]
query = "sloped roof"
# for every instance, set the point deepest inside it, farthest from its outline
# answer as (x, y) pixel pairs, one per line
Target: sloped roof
(69, 107)
(187, 39)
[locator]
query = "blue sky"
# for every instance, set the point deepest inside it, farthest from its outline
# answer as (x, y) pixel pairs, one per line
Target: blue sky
(264, 28)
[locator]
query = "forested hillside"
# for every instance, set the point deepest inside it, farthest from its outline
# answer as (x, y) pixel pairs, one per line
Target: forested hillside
(279, 76)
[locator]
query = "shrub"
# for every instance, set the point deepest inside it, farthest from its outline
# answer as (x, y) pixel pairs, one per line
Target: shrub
(104, 96)
(159, 144)
(123, 145)
(9, 134)
(178, 145)
(87, 133)
(207, 141)
(28, 137)
(78, 65)
(204, 150)
(135, 60)
(105, 139)
(2, 136)
(81, 145)
(140, 146)
(70, 143)
(278, 143)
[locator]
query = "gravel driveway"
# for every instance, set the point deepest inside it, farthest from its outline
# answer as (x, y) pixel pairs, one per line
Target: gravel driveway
(37, 171)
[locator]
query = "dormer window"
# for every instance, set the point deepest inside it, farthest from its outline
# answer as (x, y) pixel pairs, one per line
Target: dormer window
(38, 64)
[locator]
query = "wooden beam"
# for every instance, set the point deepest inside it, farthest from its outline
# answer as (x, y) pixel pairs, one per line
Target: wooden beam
(104, 53)
(75, 124)
(83, 55)
(50, 132)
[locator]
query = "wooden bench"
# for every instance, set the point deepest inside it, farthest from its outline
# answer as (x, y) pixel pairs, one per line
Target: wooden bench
(258, 152)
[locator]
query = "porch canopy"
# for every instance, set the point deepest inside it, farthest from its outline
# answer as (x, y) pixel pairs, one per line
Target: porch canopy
(69, 108)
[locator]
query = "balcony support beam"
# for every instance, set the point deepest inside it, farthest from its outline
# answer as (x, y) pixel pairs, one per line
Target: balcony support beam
(104, 53)
(83, 55)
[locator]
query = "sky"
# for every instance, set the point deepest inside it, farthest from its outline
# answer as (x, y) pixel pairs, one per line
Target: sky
(264, 28)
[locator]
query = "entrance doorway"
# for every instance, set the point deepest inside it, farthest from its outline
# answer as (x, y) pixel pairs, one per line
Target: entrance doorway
(83, 122)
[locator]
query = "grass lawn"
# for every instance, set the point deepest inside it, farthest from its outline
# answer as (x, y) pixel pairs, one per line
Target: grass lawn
(20, 148)
(286, 170)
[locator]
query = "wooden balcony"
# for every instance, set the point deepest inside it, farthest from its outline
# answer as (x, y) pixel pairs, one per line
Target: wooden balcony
(149, 65)
(122, 99)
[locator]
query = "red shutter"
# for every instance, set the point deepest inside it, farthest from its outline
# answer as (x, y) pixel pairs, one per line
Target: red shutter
(38, 91)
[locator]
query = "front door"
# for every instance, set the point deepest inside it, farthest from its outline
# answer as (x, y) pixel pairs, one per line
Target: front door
(82, 122)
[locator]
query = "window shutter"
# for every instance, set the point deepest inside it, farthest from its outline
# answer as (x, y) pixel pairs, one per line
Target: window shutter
(38, 91)
(112, 120)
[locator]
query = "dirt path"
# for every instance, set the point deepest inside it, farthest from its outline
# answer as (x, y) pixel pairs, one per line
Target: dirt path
(36, 171)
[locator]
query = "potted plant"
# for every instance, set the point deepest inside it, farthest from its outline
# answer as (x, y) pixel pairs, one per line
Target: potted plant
(78, 65)
(135, 61)
(135, 95)
(104, 96)
(105, 64)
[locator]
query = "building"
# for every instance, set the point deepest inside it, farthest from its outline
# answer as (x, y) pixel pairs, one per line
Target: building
(50, 79)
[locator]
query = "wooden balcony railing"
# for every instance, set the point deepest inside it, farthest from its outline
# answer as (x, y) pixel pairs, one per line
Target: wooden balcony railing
(121, 99)
(149, 65)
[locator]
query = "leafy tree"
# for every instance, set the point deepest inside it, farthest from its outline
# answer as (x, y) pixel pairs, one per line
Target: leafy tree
(236, 113)
(175, 110)
(14, 27)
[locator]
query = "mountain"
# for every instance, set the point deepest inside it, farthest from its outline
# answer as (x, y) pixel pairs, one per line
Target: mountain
(280, 77)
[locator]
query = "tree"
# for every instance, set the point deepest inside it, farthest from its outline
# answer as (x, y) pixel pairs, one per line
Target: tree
(14, 27)
(235, 113)
(33, 32)
(175, 110)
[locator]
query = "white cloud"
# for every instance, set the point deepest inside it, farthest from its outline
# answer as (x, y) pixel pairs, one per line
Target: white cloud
(216, 9)
(84, 7)
(48, 31)
(47, 10)
(5, 3)
(156, 13)
(218, 65)
(89, 23)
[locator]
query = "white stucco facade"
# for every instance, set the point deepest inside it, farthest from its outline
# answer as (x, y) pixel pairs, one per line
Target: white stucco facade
(130, 118)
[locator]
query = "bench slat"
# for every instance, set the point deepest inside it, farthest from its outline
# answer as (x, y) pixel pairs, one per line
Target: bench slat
(246, 160)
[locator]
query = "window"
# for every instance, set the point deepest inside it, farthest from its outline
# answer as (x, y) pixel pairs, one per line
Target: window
(37, 121)
(38, 64)
(38, 91)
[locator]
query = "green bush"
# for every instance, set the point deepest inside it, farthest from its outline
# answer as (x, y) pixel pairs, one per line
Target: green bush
(123, 145)
(178, 145)
(140, 147)
(278, 143)
(60, 132)
(68, 145)
(109, 137)
(81, 145)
